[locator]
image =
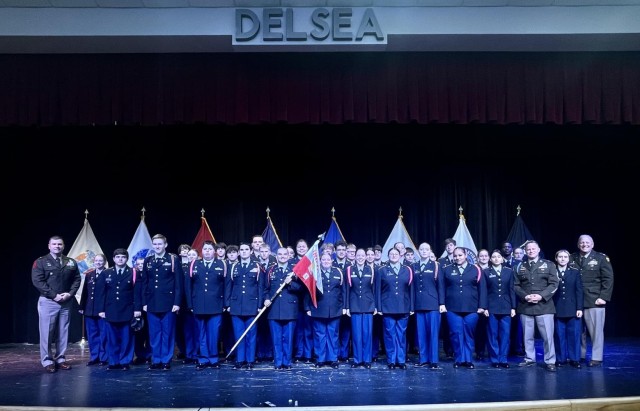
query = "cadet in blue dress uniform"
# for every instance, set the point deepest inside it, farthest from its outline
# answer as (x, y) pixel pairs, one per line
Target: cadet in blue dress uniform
(465, 298)
(394, 301)
(428, 290)
(95, 326)
(57, 279)
(303, 344)
(205, 285)
(569, 300)
(187, 338)
(449, 246)
(162, 281)
(326, 316)
(345, 256)
(118, 305)
(244, 297)
(361, 306)
(141, 345)
(283, 309)
(501, 307)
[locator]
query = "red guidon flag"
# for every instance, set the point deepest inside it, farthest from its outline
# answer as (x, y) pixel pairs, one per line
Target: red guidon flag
(203, 235)
(308, 271)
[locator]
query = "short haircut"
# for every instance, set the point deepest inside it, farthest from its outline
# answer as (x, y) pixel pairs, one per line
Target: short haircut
(121, 251)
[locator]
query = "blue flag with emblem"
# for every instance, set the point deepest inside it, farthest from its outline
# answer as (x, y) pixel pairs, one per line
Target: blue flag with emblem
(334, 233)
(270, 236)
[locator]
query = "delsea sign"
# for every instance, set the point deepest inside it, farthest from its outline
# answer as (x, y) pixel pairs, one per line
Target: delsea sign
(278, 26)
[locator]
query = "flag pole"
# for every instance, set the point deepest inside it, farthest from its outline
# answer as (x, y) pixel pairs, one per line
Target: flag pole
(262, 310)
(83, 340)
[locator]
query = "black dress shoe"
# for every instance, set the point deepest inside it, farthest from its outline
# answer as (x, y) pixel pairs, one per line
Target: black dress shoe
(239, 365)
(434, 366)
(318, 364)
(504, 365)
(166, 366)
(469, 365)
(277, 367)
(286, 368)
(367, 365)
(103, 363)
(124, 367)
(495, 365)
(114, 367)
(354, 365)
(391, 366)
(402, 366)
(421, 364)
(63, 365)
(156, 366)
(51, 368)
(457, 365)
(93, 362)
(561, 363)
(201, 366)
(215, 365)
(575, 364)
(250, 365)
(594, 363)
(335, 364)
(550, 367)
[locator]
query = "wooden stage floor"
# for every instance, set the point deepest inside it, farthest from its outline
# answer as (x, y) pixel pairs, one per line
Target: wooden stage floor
(25, 385)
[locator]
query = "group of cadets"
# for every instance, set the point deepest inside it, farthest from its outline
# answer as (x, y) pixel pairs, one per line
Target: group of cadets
(210, 302)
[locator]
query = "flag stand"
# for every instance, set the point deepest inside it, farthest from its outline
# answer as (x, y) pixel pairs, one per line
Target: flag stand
(278, 291)
(83, 341)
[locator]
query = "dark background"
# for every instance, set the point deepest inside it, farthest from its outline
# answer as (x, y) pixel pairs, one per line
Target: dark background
(568, 179)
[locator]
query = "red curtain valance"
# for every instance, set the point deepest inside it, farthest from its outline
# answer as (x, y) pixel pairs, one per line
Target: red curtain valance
(317, 88)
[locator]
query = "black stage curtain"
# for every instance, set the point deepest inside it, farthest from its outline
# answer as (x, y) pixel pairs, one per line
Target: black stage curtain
(566, 179)
(320, 88)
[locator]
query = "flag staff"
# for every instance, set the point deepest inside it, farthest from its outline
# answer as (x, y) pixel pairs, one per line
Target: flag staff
(518, 208)
(83, 340)
(262, 310)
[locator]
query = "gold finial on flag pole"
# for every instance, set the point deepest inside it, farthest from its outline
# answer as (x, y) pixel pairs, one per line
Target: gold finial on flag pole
(268, 211)
(202, 212)
(460, 210)
(333, 212)
(518, 208)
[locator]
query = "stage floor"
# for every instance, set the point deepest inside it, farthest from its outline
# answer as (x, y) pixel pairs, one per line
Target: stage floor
(23, 383)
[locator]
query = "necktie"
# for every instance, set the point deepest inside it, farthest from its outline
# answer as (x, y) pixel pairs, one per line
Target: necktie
(60, 261)
(395, 270)
(244, 265)
(326, 274)
(422, 267)
(120, 271)
(208, 264)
